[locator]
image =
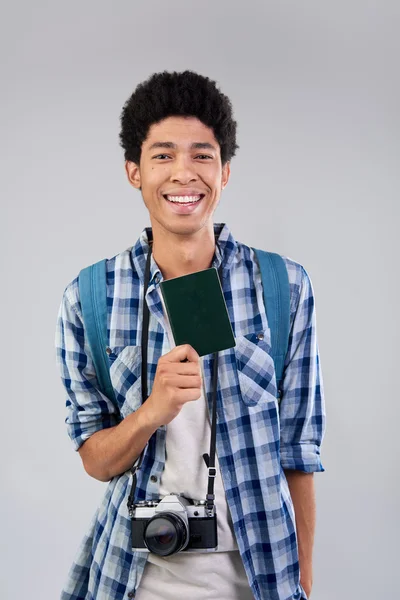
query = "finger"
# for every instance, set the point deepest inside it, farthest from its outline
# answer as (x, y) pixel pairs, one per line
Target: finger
(182, 352)
(188, 395)
(184, 368)
(185, 382)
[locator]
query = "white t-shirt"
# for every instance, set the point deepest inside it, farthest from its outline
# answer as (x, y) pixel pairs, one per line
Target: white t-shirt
(197, 575)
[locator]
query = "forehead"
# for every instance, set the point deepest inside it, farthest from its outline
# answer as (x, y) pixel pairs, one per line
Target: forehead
(182, 131)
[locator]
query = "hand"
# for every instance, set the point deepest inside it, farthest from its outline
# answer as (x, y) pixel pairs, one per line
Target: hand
(175, 383)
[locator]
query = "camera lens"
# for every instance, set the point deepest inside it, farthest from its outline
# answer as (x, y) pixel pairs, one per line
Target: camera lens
(165, 534)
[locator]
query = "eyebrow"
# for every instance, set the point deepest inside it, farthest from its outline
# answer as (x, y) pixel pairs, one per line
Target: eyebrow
(195, 145)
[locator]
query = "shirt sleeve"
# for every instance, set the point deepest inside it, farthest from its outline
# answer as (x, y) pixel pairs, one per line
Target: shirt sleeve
(302, 407)
(88, 409)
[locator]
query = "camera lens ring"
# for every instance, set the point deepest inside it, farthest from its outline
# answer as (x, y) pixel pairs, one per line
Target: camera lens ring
(165, 533)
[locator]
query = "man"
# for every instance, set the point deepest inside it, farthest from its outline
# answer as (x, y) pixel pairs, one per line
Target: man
(179, 137)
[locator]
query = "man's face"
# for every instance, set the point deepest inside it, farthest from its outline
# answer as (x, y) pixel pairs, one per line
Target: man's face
(180, 157)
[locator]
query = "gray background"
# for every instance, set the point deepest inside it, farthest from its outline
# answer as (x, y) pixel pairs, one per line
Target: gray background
(315, 89)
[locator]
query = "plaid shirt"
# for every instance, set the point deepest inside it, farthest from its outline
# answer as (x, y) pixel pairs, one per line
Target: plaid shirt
(256, 437)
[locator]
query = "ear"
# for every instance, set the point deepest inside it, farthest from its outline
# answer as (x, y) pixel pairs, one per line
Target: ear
(226, 171)
(133, 173)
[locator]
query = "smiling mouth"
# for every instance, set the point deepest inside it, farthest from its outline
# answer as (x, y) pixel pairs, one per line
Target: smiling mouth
(184, 200)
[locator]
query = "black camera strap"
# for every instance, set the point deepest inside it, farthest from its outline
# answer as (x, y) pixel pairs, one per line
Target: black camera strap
(209, 459)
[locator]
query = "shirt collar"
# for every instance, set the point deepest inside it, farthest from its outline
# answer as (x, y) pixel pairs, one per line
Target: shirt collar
(225, 250)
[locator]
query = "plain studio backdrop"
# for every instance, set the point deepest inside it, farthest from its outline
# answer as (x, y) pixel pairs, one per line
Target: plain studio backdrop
(315, 90)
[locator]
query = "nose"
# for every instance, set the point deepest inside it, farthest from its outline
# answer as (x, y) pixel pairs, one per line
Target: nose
(183, 171)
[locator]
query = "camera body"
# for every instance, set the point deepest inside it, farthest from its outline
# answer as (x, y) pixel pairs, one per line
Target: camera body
(173, 524)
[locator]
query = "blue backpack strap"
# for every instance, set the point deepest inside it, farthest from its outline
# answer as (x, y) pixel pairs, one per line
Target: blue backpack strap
(276, 289)
(93, 296)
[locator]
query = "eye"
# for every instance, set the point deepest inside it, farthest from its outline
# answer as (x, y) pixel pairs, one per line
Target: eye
(202, 156)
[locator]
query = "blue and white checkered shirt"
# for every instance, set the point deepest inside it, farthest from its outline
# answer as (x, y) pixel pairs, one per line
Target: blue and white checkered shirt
(256, 437)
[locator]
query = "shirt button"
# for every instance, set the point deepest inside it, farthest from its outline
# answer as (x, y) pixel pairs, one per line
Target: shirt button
(157, 279)
(131, 594)
(153, 478)
(260, 336)
(108, 350)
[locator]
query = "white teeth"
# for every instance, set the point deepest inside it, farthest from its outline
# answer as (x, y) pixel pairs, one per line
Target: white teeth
(183, 199)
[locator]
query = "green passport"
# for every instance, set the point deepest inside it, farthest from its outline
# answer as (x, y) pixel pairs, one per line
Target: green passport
(197, 312)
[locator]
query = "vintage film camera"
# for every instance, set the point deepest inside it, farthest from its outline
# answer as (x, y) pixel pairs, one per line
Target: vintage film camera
(173, 524)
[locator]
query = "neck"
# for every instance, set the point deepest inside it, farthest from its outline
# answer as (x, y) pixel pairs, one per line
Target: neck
(178, 254)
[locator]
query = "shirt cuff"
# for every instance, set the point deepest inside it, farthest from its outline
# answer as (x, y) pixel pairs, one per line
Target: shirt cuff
(302, 457)
(80, 432)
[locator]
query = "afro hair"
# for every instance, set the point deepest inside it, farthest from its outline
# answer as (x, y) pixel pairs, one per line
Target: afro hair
(186, 94)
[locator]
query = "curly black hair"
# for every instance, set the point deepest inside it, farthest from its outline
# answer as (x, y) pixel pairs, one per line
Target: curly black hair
(186, 94)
